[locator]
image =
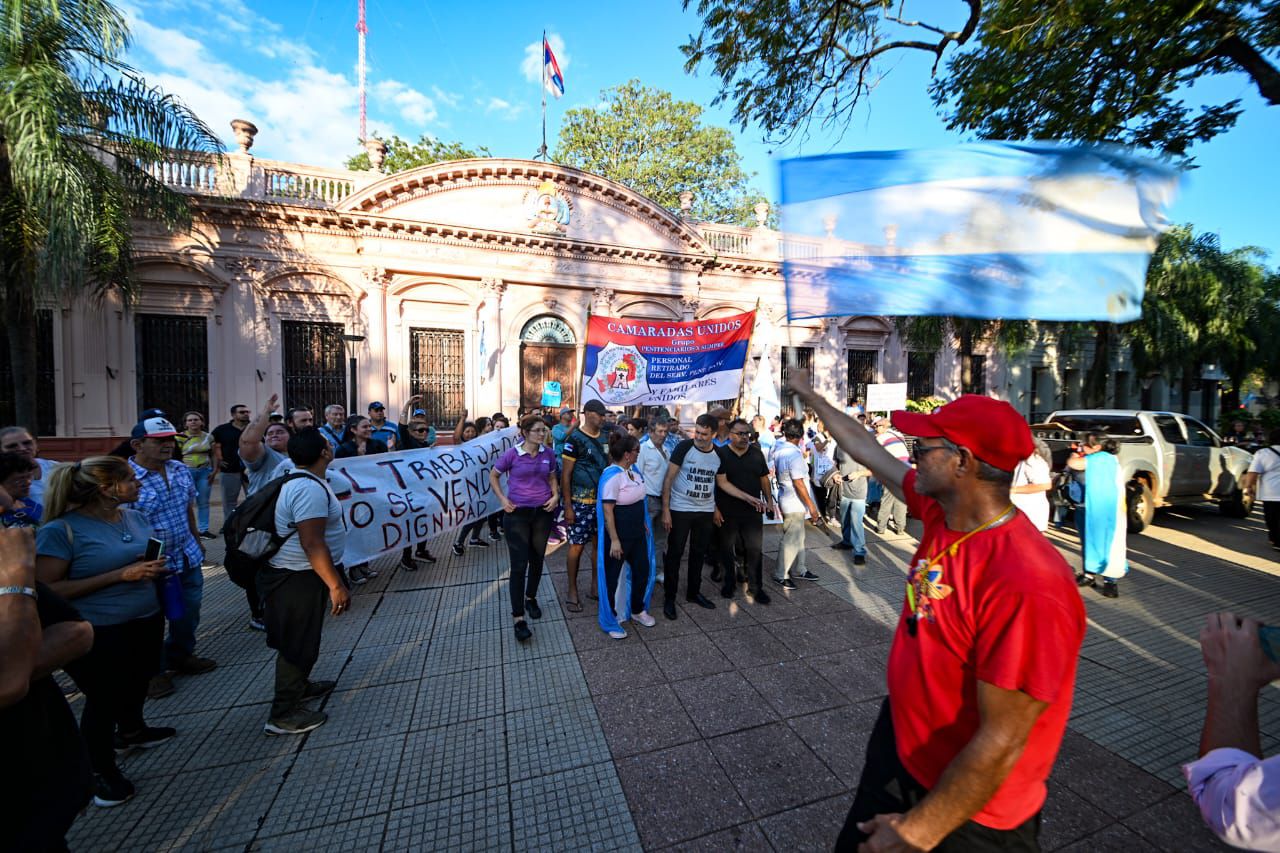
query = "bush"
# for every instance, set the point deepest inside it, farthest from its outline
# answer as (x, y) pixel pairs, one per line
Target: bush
(925, 404)
(1270, 420)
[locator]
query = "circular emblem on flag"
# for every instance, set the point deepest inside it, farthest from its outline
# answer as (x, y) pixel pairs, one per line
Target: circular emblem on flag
(622, 375)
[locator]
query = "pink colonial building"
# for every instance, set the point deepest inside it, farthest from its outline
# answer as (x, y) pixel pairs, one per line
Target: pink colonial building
(468, 282)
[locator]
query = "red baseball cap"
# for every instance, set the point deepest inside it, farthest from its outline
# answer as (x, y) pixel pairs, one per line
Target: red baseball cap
(991, 429)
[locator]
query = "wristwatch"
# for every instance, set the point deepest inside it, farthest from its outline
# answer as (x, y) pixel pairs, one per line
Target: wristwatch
(19, 590)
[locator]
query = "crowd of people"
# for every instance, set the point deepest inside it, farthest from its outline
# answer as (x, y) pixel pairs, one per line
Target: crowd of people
(114, 574)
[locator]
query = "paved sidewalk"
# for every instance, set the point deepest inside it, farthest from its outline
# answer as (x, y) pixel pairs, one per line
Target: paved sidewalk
(738, 728)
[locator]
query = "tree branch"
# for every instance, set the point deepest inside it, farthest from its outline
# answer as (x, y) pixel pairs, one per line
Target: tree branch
(1246, 56)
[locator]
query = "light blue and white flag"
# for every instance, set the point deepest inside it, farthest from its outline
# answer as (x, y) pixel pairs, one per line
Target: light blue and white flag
(1035, 230)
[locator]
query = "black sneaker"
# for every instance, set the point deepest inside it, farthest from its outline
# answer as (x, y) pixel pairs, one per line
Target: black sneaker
(205, 534)
(296, 722)
(760, 597)
(111, 789)
(316, 689)
(522, 631)
(478, 542)
(408, 564)
(1084, 579)
(808, 576)
(842, 546)
(459, 549)
(859, 559)
(146, 738)
(531, 607)
(495, 536)
(423, 554)
(702, 601)
(1109, 589)
(785, 583)
(669, 609)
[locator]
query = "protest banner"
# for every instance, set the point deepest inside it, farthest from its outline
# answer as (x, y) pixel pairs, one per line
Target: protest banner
(400, 499)
(886, 396)
(652, 362)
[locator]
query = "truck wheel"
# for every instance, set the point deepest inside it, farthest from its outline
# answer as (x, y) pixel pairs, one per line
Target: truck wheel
(1236, 506)
(1141, 505)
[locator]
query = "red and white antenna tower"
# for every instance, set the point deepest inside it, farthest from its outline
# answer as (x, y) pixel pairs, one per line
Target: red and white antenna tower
(362, 30)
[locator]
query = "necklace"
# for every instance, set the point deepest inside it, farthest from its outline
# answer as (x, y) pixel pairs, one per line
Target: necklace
(924, 582)
(120, 527)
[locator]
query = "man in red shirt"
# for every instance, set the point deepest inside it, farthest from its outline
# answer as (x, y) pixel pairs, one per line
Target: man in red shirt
(983, 662)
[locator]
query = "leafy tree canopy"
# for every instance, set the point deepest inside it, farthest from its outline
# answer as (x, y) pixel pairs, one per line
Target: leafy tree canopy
(1089, 70)
(403, 155)
(645, 139)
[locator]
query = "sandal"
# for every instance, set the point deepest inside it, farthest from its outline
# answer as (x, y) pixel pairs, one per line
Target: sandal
(573, 606)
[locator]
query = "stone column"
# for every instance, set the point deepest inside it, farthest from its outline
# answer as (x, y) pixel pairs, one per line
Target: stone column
(374, 384)
(241, 161)
(489, 347)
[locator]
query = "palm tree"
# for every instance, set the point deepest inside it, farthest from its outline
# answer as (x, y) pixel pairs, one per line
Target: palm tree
(78, 128)
(929, 333)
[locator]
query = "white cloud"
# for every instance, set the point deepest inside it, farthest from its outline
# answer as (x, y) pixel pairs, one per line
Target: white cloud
(504, 109)
(531, 66)
(449, 99)
(305, 113)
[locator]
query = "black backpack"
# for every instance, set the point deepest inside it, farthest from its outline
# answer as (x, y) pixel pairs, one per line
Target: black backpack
(250, 532)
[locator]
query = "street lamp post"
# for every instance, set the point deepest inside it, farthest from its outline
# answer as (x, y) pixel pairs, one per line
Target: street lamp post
(351, 341)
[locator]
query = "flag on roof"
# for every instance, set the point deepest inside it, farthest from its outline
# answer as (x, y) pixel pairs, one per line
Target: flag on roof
(551, 76)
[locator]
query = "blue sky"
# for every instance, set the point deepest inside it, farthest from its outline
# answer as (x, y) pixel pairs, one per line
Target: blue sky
(468, 72)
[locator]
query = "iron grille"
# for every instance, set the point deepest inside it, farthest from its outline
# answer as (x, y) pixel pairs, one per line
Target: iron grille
(438, 371)
(314, 373)
(172, 364)
(803, 358)
(862, 372)
(977, 383)
(46, 400)
(920, 367)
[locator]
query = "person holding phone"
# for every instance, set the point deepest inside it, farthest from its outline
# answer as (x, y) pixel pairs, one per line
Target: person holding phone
(91, 551)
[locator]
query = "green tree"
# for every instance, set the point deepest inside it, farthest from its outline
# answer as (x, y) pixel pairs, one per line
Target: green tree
(1198, 308)
(1070, 69)
(403, 155)
(1009, 337)
(78, 129)
(646, 140)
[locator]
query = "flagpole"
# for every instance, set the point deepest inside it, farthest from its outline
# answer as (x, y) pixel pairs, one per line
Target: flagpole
(742, 383)
(542, 152)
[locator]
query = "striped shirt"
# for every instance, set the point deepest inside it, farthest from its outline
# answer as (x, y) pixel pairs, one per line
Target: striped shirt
(165, 504)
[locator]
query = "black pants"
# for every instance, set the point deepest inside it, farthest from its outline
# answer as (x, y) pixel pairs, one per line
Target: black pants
(693, 528)
(113, 677)
(741, 535)
(471, 530)
(527, 530)
(629, 520)
(1271, 512)
(294, 614)
(886, 787)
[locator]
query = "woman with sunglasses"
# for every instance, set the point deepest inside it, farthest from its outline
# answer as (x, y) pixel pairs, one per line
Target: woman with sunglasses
(415, 434)
(357, 440)
(533, 493)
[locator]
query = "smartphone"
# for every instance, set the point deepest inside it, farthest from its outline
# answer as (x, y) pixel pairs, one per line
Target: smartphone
(155, 549)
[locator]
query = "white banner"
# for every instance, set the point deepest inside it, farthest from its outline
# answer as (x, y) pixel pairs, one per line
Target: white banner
(886, 397)
(402, 498)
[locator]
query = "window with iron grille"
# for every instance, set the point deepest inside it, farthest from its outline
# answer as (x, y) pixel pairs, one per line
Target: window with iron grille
(803, 357)
(862, 372)
(172, 362)
(314, 365)
(920, 374)
(438, 371)
(977, 383)
(46, 401)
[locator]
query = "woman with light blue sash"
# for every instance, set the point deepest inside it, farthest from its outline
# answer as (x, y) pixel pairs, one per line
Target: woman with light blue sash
(1102, 520)
(623, 539)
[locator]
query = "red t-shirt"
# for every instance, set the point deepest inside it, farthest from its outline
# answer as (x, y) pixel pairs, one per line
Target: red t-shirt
(1005, 611)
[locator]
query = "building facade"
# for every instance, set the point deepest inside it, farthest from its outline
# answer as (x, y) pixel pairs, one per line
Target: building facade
(467, 282)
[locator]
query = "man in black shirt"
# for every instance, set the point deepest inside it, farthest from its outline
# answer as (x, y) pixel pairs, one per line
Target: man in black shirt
(226, 456)
(743, 470)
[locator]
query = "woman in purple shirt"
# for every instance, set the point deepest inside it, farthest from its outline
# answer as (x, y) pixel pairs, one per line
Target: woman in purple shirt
(533, 493)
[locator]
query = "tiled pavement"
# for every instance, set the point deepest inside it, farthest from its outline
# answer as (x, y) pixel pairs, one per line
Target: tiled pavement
(738, 728)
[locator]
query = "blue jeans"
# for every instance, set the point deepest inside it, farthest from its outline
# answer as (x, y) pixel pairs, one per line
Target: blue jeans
(182, 632)
(201, 478)
(851, 512)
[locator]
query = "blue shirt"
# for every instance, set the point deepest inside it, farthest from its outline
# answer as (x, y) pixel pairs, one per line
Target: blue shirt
(165, 505)
(388, 434)
(25, 513)
(92, 547)
(672, 440)
(559, 433)
(334, 438)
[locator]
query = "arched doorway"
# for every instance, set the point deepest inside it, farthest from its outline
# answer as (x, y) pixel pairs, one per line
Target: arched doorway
(548, 353)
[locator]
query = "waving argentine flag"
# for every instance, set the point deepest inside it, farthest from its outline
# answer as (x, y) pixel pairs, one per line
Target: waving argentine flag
(1033, 230)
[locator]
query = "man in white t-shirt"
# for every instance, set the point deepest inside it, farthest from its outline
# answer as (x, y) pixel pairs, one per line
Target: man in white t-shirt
(688, 513)
(791, 472)
(1032, 480)
(653, 462)
(893, 512)
(1263, 479)
(303, 579)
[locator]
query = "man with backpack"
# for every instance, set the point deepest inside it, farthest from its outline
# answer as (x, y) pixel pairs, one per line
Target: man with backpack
(301, 578)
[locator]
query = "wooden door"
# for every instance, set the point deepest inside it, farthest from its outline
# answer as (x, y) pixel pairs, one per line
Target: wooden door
(541, 363)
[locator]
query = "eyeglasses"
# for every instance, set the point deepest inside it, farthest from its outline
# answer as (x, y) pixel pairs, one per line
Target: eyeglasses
(418, 429)
(740, 432)
(920, 449)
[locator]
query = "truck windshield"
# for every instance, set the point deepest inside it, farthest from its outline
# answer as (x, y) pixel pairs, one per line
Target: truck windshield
(1120, 426)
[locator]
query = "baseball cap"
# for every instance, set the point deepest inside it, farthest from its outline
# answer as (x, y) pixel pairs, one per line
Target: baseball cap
(156, 427)
(992, 429)
(151, 413)
(595, 406)
(376, 405)
(419, 411)
(567, 410)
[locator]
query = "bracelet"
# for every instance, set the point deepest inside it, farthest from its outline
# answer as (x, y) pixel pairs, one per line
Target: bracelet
(19, 590)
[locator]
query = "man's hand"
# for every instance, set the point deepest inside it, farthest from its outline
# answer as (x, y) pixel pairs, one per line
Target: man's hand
(798, 381)
(1233, 653)
(717, 518)
(340, 598)
(883, 829)
(568, 512)
(666, 519)
(17, 557)
(615, 548)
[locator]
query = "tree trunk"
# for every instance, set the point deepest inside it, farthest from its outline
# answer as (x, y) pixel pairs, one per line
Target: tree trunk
(1095, 379)
(966, 357)
(17, 300)
(1188, 380)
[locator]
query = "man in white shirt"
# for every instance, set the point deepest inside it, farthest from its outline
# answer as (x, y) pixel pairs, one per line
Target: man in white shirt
(1235, 788)
(688, 513)
(1032, 481)
(893, 512)
(1263, 479)
(302, 580)
(791, 472)
(19, 440)
(653, 461)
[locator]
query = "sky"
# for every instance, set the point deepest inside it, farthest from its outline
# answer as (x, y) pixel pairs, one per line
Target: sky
(289, 66)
